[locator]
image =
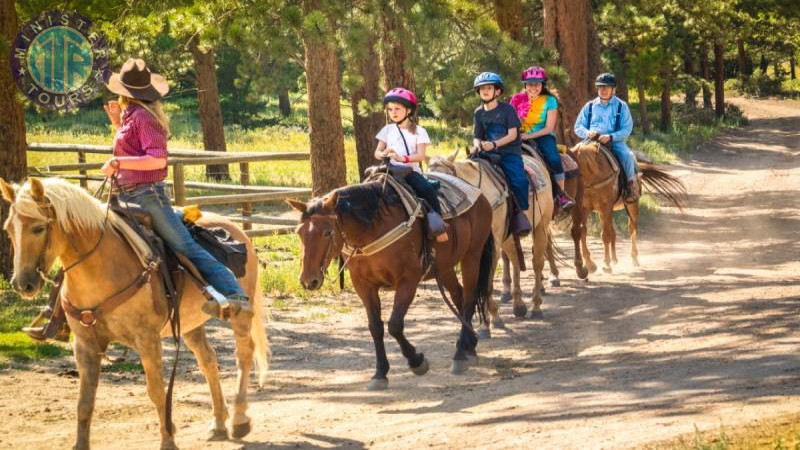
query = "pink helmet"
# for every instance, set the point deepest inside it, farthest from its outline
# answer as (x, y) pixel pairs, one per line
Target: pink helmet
(534, 74)
(402, 96)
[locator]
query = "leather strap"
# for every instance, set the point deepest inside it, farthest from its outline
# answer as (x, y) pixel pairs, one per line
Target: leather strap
(387, 239)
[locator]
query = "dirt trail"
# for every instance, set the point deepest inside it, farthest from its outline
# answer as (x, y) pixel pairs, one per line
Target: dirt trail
(705, 333)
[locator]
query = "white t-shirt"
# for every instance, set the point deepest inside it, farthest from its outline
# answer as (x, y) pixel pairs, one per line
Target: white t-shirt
(390, 134)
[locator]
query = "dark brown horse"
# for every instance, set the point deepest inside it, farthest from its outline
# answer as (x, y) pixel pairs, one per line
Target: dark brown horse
(355, 217)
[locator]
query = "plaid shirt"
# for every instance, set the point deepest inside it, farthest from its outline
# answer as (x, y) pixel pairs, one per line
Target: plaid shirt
(140, 135)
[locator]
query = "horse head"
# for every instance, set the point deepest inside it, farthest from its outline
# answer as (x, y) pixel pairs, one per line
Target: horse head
(320, 238)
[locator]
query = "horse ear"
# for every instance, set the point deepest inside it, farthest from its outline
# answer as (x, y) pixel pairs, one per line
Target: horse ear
(37, 189)
(329, 203)
(452, 156)
(8, 191)
(297, 204)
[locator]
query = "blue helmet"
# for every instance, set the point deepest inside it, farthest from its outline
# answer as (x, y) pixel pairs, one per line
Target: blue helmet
(488, 78)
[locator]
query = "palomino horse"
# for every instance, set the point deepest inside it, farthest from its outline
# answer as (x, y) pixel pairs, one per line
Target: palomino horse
(539, 214)
(351, 219)
(53, 219)
(601, 193)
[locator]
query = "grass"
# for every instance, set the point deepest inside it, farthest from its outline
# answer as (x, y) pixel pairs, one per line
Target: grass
(780, 433)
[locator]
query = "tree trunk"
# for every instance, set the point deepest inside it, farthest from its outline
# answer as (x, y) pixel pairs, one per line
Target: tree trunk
(324, 116)
(742, 60)
(365, 127)
(706, 74)
(13, 162)
(689, 69)
(284, 105)
(666, 101)
(719, 78)
(208, 108)
(644, 118)
(396, 57)
(621, 72)
(763, 64)
(578, 55)
(510, 16)
(792, 64)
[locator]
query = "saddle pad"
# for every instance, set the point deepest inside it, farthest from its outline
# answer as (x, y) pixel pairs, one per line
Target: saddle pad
(536, 171)
(136, 242)
(456, 196)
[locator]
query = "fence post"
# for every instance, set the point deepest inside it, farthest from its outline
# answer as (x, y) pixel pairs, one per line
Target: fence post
(247, 208)
(177, 184)
(82, 159)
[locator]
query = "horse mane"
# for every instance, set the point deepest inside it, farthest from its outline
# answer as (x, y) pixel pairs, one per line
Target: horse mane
(73, 206)
(360, 202)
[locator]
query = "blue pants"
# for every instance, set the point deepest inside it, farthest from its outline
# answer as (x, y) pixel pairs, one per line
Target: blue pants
(170, 228)
(424, 189)
(626, 158)
(511, 164)
(547, 145)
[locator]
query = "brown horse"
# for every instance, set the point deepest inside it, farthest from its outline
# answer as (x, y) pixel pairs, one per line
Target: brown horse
(53, 219)
(361, 215)
(600, 192)
(539, 214)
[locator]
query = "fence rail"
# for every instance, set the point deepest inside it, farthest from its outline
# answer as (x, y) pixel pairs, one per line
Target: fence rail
(244, 194)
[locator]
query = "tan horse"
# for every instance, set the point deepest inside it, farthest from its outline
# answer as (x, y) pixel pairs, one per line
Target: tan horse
(540, 213)
(53, 219)
(601, 193)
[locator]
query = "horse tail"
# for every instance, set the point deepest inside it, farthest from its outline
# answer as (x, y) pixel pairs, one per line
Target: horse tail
(558, 254)
(259, 334)
(663, 184)
(482, 291)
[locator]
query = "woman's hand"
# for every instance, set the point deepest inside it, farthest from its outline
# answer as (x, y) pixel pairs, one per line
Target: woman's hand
(114, 113)
(110, 167)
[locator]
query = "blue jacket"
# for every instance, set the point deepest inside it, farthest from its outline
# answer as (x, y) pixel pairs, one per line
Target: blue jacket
(604, 119)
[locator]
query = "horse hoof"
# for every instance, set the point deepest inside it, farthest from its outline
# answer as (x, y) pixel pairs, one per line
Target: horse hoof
(583, 273)
(505, 297)
(592, 268)
(484, 333)
(520, 311)
(378, 384)
(537, 314)
(421, 369)
(169, 446)
(241, 430)
(498, 324)
(636, 263)
(555, 282)
(215, 435)
(607, 269)
(460, 366)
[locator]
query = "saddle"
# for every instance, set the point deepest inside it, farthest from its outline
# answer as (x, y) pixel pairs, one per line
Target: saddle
(571, 171)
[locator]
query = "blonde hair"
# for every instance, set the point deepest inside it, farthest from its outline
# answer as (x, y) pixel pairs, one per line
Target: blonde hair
(155, 108)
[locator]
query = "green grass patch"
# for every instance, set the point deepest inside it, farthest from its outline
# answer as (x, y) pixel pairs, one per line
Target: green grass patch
(124, 367)
(19, 347)
(781, 433)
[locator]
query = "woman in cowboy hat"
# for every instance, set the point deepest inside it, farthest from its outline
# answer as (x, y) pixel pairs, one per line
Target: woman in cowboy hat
(140, 164)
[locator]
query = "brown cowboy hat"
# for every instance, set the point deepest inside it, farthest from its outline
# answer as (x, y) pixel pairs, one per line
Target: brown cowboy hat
(136, 81)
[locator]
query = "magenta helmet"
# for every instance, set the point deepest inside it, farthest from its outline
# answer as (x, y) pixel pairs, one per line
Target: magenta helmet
(534, 74)
(402, 96)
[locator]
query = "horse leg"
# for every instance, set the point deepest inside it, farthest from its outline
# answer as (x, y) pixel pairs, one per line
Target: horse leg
(577, 231)
(463, 351)
(510, 252)
(88, 361)
(506, 297)
(404, 295)
(590, 265)
(633, 226)
(609, 236)
(207, 360)
(551, 262)
(539, 249)
(372, 303)
(149, 348)
(245, 349)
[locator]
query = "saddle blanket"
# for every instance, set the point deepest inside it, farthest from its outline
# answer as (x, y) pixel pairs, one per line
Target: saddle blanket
(456, 196)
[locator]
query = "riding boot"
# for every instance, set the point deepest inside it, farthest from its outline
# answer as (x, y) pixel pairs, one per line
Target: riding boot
(520, 225)
(226, 307)
(437, 227)
(633, 191)
(56, 328)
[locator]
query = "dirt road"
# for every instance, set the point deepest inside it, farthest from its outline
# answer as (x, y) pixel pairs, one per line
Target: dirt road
(704, 333)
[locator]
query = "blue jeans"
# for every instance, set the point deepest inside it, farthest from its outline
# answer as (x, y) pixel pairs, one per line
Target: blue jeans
(154, 199)
(547, 144)
(511, 164)
(626, 158)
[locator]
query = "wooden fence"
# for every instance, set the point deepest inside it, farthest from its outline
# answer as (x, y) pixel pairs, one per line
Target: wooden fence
(244, 193)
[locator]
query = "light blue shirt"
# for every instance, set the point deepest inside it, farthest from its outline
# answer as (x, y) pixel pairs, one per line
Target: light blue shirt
(604, 119)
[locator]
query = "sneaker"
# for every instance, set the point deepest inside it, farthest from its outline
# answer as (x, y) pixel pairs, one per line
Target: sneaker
(633, 191)
(564, 201)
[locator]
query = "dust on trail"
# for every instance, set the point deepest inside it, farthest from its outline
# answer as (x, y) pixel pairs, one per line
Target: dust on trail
(705, 333)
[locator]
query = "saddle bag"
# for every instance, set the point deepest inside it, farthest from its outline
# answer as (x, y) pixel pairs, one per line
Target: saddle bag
(222, 246)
